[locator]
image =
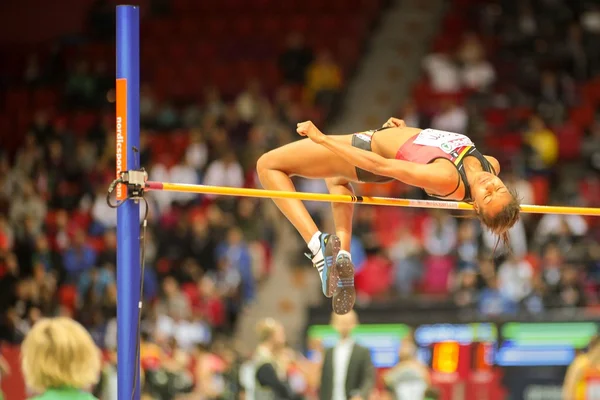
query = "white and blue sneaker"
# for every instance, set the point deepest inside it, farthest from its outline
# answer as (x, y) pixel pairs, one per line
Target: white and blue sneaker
(324, 262)
(345, 295)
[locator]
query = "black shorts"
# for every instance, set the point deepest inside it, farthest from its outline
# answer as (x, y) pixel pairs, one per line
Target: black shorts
(362, 141)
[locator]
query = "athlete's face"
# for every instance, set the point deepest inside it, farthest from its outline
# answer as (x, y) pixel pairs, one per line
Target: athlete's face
(490, 195)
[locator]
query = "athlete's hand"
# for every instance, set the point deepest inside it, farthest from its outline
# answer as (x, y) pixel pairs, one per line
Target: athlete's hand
(309, 130)
(394, 123)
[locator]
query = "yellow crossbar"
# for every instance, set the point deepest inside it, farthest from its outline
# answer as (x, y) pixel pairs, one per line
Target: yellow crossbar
(334, 198)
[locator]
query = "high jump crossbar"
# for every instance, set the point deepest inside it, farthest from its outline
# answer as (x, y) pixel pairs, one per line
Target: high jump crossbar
(336, 198)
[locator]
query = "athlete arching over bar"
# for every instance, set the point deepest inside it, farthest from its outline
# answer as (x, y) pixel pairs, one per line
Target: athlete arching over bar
(446, 165)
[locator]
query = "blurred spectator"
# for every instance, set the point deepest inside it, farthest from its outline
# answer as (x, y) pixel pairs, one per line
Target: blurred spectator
(167, 116)
(590, 147)
(323, 80)
(543, 145)
(467, 247)
(477, 73)
(196, 154)
(173, 301)
(443, 73)
(552, 227)
(271, 379)
(225, 171)
(296, 58)
(375, 278)
(27, 206)
(410, 378)
(411, 116)
(81, 86)
(466, 293)
(33, 70)
(452, 117)
(147, 104)
(249, 103)
(406, 254)
(47, 365)
(551, 264)
(184, 172)
(492, 302)
(235, 253)
(568, 292)
(79, 257)
(515, 278)
(439, 231)
(340, 378)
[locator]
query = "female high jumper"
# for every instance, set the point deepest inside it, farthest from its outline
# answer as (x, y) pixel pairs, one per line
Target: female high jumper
(446, 165)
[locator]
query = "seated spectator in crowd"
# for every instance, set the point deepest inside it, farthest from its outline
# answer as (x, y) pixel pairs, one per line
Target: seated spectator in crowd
(551, 266)
(452, 117)
(492, 302)
(323, 80)
(184, 172)
(476, 73)
(196, 154)
(590, 147)
(27, 204)
(553, 228)
(237, 254)
(515, 278)
(79, 257)
(295, 59)
(406, 255)
(542, 144)
(250, 103)
(465, 292)
(442, 72)
(467, 246)
(568, 292)
(225, 171)
(439, 232)
(81, 86)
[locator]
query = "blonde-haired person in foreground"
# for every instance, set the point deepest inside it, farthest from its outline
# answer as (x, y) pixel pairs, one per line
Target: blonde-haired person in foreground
(60, 360)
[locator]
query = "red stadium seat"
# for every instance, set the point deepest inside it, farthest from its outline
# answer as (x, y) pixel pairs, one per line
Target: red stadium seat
(582, 116)
(217, 28)
(159, 29)
(182, 7)
(496, 117)
(244, 26)
(271, 27)
(17, 99)
(541, 188)
(299, 23)
(189, 27)
(178, 51)
(45, 98)
(82, 122)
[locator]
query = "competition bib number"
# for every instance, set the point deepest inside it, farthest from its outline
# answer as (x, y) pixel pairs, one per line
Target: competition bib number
(446, 141)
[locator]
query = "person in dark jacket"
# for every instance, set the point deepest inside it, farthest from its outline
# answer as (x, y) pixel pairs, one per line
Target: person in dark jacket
(348, 372)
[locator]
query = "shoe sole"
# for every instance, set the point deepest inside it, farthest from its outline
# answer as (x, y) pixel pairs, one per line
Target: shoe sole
(343, 300)
(331, 250)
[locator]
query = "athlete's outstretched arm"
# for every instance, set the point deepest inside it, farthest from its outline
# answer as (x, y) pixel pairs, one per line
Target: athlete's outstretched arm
(405, 171)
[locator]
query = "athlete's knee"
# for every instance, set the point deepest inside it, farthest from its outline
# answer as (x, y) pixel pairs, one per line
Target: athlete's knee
(267, 162)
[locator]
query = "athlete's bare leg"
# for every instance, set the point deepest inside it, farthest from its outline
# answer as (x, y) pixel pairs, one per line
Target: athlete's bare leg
(310, 160)
(302, 158)
(342, 212)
